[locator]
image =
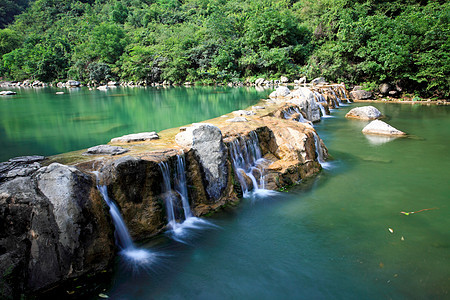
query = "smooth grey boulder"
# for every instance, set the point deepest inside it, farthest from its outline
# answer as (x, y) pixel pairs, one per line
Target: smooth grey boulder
(281, 91)
(381, 128)
(361, 95)
(364, 113)
(106, 149)
(206, 140)
(136, 137)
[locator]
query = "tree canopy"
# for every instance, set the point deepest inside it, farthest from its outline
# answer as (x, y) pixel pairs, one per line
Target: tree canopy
(213, 41)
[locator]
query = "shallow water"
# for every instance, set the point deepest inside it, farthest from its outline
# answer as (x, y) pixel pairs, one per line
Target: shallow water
(329, 237)
(39, 122)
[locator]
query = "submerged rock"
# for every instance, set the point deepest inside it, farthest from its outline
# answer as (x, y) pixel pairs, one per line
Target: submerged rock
(136, 137)
(106, 149)
(381, 128)
(364, 113)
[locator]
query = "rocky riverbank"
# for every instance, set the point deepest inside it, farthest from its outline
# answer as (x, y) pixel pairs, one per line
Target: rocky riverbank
(56, 226)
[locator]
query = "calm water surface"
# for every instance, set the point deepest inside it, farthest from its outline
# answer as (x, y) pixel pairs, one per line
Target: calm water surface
(329, 237)
(39, 122)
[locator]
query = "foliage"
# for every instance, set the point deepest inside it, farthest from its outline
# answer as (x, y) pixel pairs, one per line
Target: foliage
(405, 42)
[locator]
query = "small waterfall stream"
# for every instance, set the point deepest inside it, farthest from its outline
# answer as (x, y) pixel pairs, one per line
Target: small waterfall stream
(123, 238)
(247, 159)
(176, 222)
(319, 152)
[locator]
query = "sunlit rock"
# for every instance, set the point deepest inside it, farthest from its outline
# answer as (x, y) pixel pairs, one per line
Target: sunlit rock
(364, 113)
(381, 128)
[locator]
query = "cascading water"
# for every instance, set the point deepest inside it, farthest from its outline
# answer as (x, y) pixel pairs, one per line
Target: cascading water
(319, 152)
(177, 227)
(322, 109)
(247, 159)
(123, 238)
(295, 110)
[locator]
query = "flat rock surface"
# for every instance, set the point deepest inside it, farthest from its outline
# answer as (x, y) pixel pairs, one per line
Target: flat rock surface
(136, 137)
(106, 149)
(381, 128)
(364, 113)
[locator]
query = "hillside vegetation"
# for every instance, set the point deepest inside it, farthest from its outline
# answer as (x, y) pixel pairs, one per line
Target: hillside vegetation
(404, 42)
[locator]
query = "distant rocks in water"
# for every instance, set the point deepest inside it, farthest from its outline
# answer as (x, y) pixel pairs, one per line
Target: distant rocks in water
(113, 83)
(7, 93)
(237, 119)
(319, 80)
(136, 137)
(59, 93)
(259, 81)
(381, 128)
(244, 113)
(302, 80)
(364, 113)
(106, 149)
(284, 79)
(72, 83)
(102, 88)
(360, 95)
(281, 91)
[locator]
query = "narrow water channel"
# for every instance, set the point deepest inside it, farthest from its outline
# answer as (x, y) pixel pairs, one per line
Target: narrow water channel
(340, 235)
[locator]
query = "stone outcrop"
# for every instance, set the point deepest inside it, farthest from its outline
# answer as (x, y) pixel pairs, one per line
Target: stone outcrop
(53, 227)
(364, 113)
(318, 80)
(381, 128)
(281, 91)
(361, 95)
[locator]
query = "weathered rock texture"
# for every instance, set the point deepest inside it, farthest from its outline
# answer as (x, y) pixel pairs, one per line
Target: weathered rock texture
(364, 113)
(53, 227)
(381, 128)
(361, 95)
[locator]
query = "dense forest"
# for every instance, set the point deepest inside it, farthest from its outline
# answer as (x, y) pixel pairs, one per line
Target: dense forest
(405, 42)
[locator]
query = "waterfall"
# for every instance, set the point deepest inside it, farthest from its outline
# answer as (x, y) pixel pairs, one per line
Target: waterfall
(181, 187)
(345, 96)
(123, 238)
(247, 159)
(169, 197)
(175, 223)
(293, 110)
(319, 152)
(335, 96)
(322, 109)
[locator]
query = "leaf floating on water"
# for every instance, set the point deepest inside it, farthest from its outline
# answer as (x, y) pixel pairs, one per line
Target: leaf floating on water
(104, 296)
(391, 230)
(381, 265)
(402, 238)
(70, 292)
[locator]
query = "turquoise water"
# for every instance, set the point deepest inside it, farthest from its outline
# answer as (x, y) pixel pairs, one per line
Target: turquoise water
(329, 237)
(39, 122)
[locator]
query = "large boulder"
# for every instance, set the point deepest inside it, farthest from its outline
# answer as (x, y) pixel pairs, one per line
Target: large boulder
(361, 95)
(206, 140)
(304, 98)
(281, 91)
(381, 128)
(72, 83)
(364, 113)
(385, 88)
(53, 228)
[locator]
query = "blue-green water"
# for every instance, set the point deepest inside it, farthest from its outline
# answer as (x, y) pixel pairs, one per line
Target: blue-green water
(329, 237)
(39, 122)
